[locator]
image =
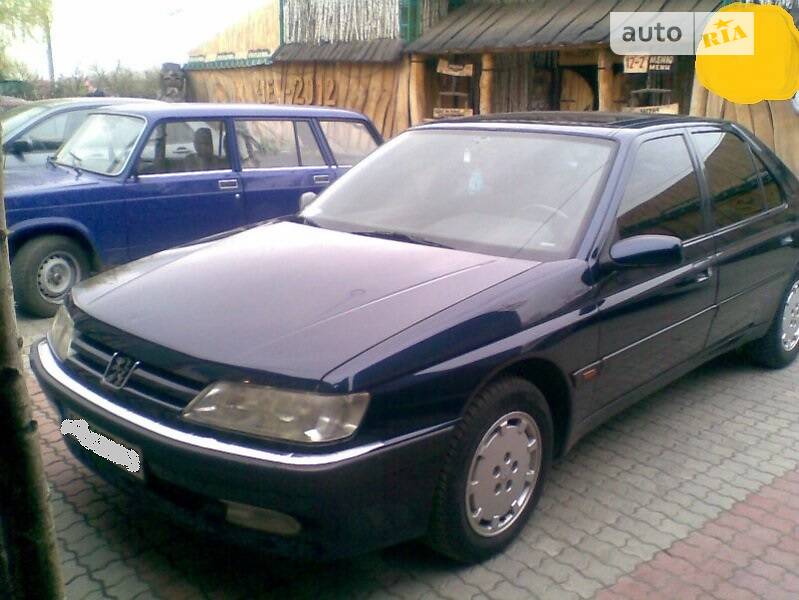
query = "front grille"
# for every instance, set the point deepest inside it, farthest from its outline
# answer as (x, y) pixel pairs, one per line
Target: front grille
(90, 359)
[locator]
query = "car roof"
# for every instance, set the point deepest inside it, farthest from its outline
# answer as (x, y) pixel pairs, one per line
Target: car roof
(585, 122)
(198, 109)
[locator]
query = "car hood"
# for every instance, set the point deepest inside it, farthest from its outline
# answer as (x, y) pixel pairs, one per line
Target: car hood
(286, 298)
(44, 178)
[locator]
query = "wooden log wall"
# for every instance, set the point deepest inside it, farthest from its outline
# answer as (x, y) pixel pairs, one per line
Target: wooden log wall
(775, 123)
(380, 91)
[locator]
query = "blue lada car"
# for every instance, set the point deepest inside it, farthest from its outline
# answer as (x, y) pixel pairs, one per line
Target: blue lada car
(139, 178)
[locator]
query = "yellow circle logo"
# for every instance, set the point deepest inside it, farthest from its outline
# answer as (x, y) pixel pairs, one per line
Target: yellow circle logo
(749, 53)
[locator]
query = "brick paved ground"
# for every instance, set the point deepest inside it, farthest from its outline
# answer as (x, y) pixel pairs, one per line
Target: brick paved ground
(692, 493)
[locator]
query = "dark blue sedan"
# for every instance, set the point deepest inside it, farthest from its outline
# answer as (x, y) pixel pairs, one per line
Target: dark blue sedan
(136, 179)
(407, 356)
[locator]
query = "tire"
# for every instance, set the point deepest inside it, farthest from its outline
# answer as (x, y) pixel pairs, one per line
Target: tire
(772, 351)
(44, 271)
(454, 530)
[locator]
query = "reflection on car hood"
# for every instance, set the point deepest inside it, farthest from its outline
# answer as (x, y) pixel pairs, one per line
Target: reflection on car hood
(286, 298)
(45, 178)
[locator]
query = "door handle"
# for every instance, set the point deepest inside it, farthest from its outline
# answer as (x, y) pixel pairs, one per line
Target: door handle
(704, 276)
(321, 179)
(228, 184)
(786, 241)
(696, 279)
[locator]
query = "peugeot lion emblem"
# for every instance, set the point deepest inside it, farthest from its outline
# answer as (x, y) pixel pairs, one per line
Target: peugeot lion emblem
(119, 370)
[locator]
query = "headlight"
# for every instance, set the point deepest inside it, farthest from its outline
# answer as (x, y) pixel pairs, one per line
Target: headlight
(272, 413)
(61, 332)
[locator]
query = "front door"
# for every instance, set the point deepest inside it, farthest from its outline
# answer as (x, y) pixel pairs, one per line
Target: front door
(654, 319)
(280, 160)
(186, 187)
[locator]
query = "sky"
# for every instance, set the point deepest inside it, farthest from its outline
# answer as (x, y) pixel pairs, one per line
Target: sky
(138, 35)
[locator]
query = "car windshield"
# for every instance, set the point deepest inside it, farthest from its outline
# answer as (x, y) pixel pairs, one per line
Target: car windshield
(513, 194)
(18, 117)
(103, 144)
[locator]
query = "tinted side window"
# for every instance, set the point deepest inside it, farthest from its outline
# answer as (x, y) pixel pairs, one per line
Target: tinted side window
(771, 187)
(733, 181)
(350, 141)
(662, 195)
(185, 147)
(310, 154)
(266, 144)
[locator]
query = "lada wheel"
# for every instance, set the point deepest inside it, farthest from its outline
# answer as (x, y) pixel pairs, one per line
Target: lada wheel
(44, 271)
(494, 472)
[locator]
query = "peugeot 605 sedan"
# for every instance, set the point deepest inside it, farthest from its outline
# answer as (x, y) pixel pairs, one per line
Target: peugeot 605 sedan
(139, 178)
(408, 355)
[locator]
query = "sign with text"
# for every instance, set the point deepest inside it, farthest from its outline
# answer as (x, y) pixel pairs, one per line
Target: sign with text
(682, 33)
(636, 64)
(666, 109)
(447, 68)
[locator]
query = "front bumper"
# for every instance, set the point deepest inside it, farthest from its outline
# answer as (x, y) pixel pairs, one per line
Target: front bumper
(347, 502)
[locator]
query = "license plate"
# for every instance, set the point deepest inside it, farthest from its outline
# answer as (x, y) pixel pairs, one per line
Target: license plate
(123, 454)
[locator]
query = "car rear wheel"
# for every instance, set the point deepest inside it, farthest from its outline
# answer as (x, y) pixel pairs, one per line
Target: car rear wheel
(494, 472)
(780, 346)
(44, 270)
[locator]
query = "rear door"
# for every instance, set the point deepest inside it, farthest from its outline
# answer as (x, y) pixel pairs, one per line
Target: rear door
(654, 319)
(754, 234)
(185, 187)
(348, 142)
(280, 160)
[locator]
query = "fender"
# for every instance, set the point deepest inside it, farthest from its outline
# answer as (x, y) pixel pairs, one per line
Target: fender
(29, 228)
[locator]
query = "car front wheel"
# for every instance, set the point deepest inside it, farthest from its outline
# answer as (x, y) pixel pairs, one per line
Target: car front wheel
(494, 472)
(44, 270)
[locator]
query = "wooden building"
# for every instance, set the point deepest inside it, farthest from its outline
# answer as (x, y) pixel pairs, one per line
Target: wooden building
(403, 62)
(345, 53)
(538, 55)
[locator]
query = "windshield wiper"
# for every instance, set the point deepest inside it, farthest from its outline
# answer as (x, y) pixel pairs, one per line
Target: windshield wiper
(400, 237)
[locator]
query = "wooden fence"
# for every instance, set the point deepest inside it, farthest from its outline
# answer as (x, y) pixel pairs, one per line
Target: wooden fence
(378, 90)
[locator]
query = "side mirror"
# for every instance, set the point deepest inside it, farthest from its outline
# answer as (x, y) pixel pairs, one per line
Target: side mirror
(19, 148)
(307, 199)
(647, 251)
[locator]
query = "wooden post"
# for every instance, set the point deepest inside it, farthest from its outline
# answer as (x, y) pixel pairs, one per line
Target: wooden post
(699, 97)
(605, 79)
(417, 89)
(487, 84)
(28, 551)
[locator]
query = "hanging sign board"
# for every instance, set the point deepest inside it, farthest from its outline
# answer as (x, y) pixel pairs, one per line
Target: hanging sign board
(445, 68)
(444, 113)
(666, 109)
(636, 64)
(661, 63)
